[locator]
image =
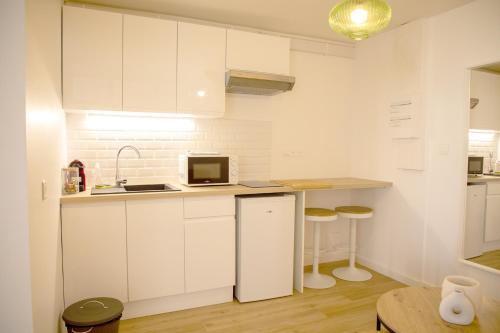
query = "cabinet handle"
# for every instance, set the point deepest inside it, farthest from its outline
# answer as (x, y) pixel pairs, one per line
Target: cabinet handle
(89, 330)
(93, 301)
(269, 211)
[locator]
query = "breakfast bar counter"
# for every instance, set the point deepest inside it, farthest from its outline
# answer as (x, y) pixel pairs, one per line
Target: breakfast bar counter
(346, 183)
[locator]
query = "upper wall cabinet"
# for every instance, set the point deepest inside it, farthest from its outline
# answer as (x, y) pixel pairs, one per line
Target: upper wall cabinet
(201, 69)
(258, 52)
(92, 59)
(149, 64)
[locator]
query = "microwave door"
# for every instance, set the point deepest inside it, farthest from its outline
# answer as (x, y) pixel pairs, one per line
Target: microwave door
(208, 170)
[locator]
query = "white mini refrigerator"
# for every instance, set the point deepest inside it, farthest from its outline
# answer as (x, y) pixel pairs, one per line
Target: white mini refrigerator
(264, 250)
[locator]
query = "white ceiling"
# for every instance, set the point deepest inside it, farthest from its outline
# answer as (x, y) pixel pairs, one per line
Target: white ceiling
(299, 17)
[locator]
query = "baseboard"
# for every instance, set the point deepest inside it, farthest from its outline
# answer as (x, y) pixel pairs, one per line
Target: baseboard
(177, 302)
(389, 273)
(325, 256)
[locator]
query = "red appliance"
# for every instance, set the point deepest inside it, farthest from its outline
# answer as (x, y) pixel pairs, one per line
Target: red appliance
(81, 173)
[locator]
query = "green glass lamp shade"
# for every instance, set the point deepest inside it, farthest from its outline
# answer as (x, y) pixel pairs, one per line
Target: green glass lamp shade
(359, 19)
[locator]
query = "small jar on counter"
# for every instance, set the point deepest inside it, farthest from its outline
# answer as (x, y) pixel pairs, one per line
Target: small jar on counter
(70, 180)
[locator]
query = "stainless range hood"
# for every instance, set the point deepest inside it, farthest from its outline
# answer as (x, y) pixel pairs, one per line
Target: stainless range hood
(256, 83)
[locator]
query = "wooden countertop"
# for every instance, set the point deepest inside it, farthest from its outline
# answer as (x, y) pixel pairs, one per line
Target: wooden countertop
(289, 185)
(333, 183)
(186, 191)
(483, 179)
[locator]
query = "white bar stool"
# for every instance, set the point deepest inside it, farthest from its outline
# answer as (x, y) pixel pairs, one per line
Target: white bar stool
(316, 280)
(352, 273)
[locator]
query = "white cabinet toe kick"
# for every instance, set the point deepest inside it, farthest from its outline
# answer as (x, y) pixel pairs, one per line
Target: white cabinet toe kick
(172, 303)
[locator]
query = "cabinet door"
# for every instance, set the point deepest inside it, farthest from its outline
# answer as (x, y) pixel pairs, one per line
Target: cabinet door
(92, 59)
(492, 222)
(210, 253)
(94, 251)
(474, 220)
(258, 52)
(149, 64)
(201, 69)
(155, 247)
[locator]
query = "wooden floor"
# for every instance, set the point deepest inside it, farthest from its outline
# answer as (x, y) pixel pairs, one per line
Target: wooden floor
(347, 307)
(490, 259)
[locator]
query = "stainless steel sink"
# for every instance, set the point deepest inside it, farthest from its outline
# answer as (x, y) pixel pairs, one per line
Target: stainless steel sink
(141, 188)
(150, 188)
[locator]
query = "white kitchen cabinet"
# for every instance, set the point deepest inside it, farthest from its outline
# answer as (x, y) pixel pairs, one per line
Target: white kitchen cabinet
(94, 251)
(492, 221)
(474, 220)
(257, 52)
(209, 206)
(92, 59)
(149, 64)
(210, 253)
(200, 70)
(155, 248)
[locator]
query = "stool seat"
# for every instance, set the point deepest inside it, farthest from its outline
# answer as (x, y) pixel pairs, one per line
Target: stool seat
(354, 212)
(320, 215)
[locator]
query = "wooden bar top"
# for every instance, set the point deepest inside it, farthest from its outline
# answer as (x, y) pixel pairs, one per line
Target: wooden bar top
(333, 183)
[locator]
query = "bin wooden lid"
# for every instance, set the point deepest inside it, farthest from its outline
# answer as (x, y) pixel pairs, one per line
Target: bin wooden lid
(93, 311)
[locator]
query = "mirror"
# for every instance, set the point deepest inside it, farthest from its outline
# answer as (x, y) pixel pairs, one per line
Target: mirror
(482, 224)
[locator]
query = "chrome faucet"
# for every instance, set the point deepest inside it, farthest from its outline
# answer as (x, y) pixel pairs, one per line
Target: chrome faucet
(119, 181)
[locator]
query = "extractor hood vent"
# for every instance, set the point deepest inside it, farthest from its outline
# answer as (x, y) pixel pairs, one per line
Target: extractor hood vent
(256, 83)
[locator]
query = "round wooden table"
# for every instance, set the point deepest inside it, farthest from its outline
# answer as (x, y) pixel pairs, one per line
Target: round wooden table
(416, 310)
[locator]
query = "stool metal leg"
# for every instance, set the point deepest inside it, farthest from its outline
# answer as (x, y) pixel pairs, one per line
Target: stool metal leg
(352, 243)
(316, 243)
(351, 273)
(316, 280)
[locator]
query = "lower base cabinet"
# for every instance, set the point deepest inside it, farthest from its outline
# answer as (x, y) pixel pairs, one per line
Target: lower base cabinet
(492, 220)
(210, 253)
(94, 251)
(155, 248)
(136, 250)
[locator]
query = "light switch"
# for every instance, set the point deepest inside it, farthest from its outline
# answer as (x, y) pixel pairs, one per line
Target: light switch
(44, 190)
(444, 149)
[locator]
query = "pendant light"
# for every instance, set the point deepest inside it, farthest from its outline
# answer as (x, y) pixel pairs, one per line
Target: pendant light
(359, 19)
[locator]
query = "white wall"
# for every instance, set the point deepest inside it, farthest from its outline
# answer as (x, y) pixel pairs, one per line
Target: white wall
(466, 37)
(310, 131)
(388, 69)
(15, 289)
(486, 87)
(45, 149)
(417, 234)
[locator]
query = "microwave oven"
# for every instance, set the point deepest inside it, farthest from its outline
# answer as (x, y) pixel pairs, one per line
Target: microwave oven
(202, 169)
(475, 165)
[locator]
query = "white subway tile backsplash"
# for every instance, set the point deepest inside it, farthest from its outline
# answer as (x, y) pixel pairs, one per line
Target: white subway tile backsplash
(485, 144)
(92, 142)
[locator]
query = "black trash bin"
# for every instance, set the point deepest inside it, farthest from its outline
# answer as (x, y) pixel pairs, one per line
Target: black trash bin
(96, 315)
